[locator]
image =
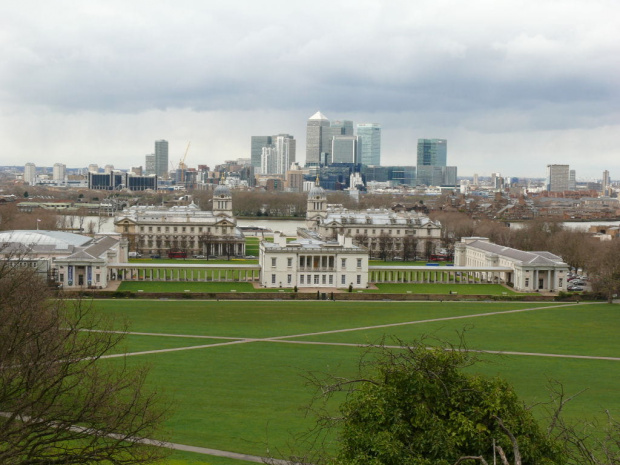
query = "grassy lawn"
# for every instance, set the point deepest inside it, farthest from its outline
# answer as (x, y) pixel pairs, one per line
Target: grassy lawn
(386, 288)
(249, 397)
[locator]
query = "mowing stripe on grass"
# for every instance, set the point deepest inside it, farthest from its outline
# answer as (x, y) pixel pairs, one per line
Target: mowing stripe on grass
(286, 339)
(178, 349)
(431, 320)
(479, 351)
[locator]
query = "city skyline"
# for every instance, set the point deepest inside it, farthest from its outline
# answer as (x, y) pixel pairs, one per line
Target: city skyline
(512, 88)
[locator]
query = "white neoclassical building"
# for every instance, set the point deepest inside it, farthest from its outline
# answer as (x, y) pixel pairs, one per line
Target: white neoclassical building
(185, 229)
(72, 260)
(313, 263)
(382, 231)
(531, 271)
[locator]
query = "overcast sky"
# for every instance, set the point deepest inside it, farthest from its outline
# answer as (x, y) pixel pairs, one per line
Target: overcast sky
(513, 85)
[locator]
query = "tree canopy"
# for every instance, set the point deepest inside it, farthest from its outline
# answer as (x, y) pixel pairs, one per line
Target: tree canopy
(60, 403)
(417, 406)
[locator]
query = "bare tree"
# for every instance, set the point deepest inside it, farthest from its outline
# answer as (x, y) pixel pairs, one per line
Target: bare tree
(59, 403)
(386, 243)
(410, 246)
(604, 269)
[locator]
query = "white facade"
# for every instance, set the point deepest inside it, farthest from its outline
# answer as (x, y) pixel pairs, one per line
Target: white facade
(313, 263)
(186, 229)
(383, 232)
(30, 173)
(531, 271)
(59, 172)
(71, 260)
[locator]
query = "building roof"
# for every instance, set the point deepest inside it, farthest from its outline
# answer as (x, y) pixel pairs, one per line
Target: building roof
(377, 218)
(526, 258)
(58, 240)
(319, 115)
(186, 214)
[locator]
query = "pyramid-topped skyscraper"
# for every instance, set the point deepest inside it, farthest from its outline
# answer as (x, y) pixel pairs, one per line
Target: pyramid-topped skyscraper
(316, 138)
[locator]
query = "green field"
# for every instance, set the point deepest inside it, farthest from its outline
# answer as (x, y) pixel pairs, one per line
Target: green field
(248, 397)
(386, 288)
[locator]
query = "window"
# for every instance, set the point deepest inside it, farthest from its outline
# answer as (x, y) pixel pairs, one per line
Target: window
(301, 279)
(289, 262)
(141, 228)
(97, 277)
(183, 229)
(316, 279)
(191, 229)
(359, 279)
(273, 261)
(324, 280)
(331, 279)
(560, 282)
(167, 229)
(61, 277)
(289, 279)
(359, 262)
(343, 279)
(309, 280)
(150, 228)
(273, 279)
(527, 282)
(344, 263)
(175, 229)
(158, 229)
(125, 228)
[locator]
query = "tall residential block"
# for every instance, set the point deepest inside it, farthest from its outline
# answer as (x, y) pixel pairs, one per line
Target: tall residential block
(558, 178)
(59, 172)
(605, 183)
(370, 143)
(161, 158)
(30, 173)
(317, 129)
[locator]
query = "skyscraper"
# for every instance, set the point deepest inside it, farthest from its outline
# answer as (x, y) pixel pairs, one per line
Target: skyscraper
(256, 150)
(558, 177)
(30, 173)
(344, 149)
(285, 152)
(431, 167)
(432, 152)
(316, 131)
(370, 143)
(161, 158)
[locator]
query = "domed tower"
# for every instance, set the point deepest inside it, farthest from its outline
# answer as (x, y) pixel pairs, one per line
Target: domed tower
(222, 201)
(317, 206)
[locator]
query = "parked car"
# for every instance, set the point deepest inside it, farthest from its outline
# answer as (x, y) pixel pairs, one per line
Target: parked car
(250, 256)
(198, 256)
(575, 288)
(155, 256)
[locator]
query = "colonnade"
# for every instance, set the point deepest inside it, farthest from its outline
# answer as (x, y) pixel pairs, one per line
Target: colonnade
(447, 275)
(205, 273)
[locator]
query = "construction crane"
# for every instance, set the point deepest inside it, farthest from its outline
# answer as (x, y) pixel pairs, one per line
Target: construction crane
(182, 165)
